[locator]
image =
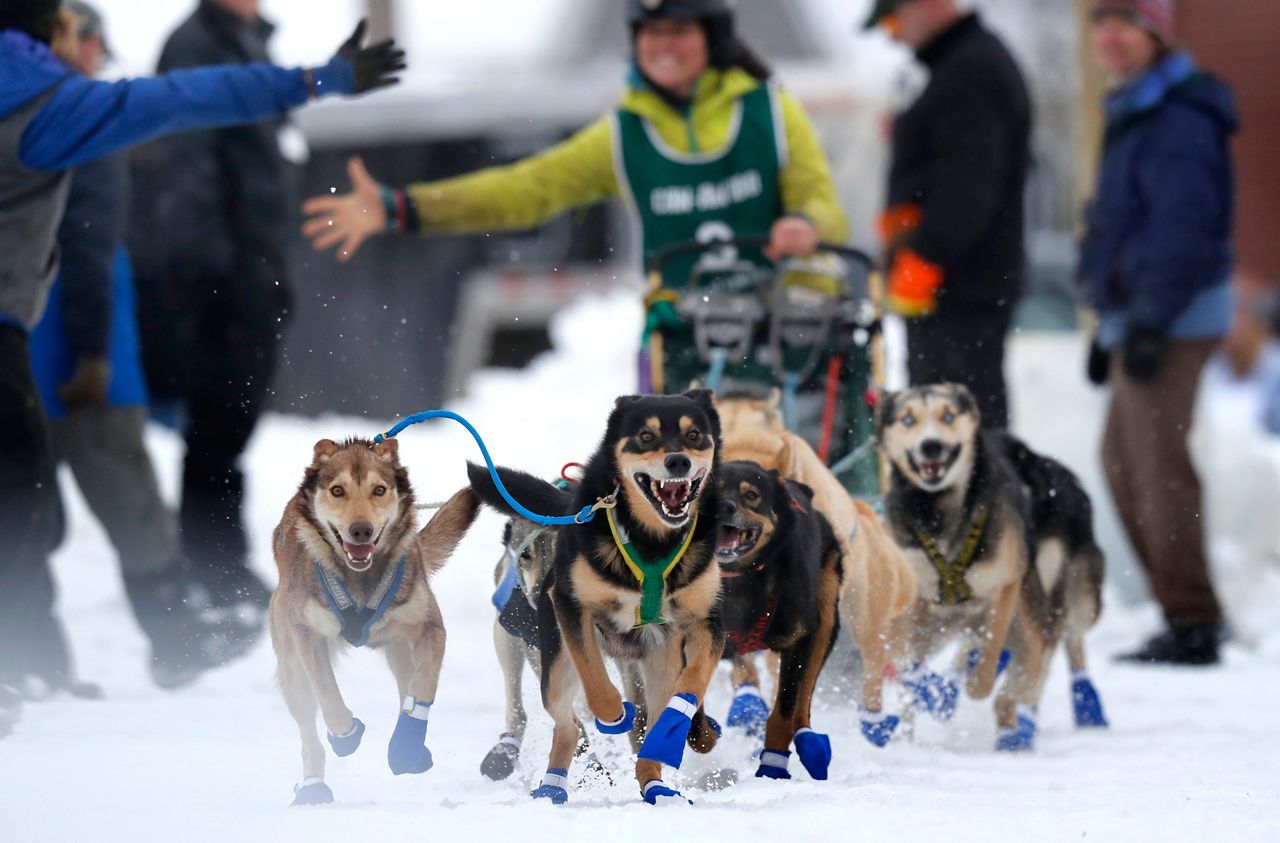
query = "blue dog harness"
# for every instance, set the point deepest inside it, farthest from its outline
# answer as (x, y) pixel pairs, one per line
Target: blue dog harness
(357, 620)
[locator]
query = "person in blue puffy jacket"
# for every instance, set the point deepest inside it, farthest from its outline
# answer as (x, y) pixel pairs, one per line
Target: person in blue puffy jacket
(1156, 263)
(53, 119)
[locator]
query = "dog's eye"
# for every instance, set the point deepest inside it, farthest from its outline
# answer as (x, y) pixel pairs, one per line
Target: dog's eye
(948, 417)
(337, 491)
(908, 420)
(693, 434)
(751, 496)
(526, 556)
(645, 437)
(379, 491)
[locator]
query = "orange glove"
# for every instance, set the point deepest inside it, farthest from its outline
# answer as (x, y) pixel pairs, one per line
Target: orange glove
(913, 285)
(896, 223)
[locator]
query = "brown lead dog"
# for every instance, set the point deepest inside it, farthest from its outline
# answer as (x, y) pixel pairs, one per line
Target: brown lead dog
(638, 583)
(878, 586)
(354, 568)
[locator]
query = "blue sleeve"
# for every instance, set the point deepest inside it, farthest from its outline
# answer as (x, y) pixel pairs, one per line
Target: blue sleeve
(86, 119)
(1182, 245)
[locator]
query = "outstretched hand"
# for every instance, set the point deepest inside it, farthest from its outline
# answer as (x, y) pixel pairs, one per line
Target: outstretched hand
(792, 237)
(374, 66)
(349, 219)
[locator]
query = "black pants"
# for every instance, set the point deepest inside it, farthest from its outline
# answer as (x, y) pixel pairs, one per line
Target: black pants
(964, 345)
(31, 523)
(234, 337)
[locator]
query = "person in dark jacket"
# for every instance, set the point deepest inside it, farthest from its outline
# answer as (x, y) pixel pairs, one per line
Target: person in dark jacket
(211, 250)
(953, 228)
(52, 120)
(86, 360)
(1156, 263)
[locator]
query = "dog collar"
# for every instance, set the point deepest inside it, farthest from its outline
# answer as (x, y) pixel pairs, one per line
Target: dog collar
(650, 573)
(953, 588)
(357, 620)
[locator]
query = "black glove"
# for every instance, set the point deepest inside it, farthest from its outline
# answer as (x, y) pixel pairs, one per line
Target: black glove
(1143, 354)
(375, 65)
(1099, 366)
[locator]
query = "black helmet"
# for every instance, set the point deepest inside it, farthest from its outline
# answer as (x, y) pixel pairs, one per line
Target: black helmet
(641, 11)
(34, 17)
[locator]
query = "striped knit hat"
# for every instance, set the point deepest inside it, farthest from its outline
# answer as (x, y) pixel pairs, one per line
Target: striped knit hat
(1155, 16)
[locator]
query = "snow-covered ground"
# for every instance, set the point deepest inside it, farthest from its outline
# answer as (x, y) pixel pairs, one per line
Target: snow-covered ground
(1191, 755)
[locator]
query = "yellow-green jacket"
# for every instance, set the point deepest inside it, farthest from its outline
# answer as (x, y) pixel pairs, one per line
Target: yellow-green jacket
(580, 170)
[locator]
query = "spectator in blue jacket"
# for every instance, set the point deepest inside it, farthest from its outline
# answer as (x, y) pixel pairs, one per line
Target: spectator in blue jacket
(51, 120)
(87, 362)
(1157, 265)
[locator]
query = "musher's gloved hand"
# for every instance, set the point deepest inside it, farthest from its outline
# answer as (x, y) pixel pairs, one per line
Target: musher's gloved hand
(374, 66)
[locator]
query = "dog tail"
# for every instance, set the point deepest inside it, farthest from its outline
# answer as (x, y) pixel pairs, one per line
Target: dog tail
(533, 493)
(446, 528)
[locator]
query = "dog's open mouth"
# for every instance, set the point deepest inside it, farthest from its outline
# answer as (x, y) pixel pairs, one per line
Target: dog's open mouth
(932, 471)
(359, 556)
(732, 543)
(671, 498)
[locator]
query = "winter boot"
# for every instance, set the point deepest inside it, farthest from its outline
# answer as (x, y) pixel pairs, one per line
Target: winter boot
(1187, 645)
(186, 640)
(749, 711)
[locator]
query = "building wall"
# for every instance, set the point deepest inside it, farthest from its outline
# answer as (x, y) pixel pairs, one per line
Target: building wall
(1237, 40)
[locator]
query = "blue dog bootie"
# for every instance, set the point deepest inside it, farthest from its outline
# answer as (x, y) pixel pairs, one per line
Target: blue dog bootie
(1086, 702)
(666, 739)
(1020, 738)
(344, 745)
(312, 791)
(622, 725)
(773, 765)
(407, 752)
(554, 786)
(932, 692)
(974, 656)
(814, 749)
(878, 726)
(749, 711)
(657, 793)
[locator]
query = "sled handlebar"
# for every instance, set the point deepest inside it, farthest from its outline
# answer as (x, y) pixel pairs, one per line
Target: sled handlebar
(692, 247)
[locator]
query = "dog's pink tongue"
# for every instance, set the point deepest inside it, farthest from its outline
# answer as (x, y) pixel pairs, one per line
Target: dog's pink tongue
(672, 494)
(727, 538)
(358, 551)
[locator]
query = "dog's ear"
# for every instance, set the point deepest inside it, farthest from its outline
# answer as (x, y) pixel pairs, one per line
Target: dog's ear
(774, 401)
(625, 401)
(885, 408)
(785, 457)
(701, 397)
(506, 533)
(324, 449)
(388, 450)
(965, 401)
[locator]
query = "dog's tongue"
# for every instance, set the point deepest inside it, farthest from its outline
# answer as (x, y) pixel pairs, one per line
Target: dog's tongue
(728, 538)
(359, 552)
(673, 493)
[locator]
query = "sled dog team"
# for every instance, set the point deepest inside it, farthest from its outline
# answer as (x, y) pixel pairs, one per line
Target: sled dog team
(719, 535)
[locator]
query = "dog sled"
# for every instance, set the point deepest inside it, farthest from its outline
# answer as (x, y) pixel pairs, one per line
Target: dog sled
(807, 331)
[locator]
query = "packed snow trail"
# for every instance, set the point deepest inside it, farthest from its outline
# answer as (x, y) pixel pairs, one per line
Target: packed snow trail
(1191, 754)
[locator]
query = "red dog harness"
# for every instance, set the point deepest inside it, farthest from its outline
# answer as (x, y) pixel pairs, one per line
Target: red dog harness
(752, 641)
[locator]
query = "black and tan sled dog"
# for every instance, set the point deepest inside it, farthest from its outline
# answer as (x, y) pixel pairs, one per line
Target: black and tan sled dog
(638, 583)
(781, 567)
(354, 571)
(1001, 543)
